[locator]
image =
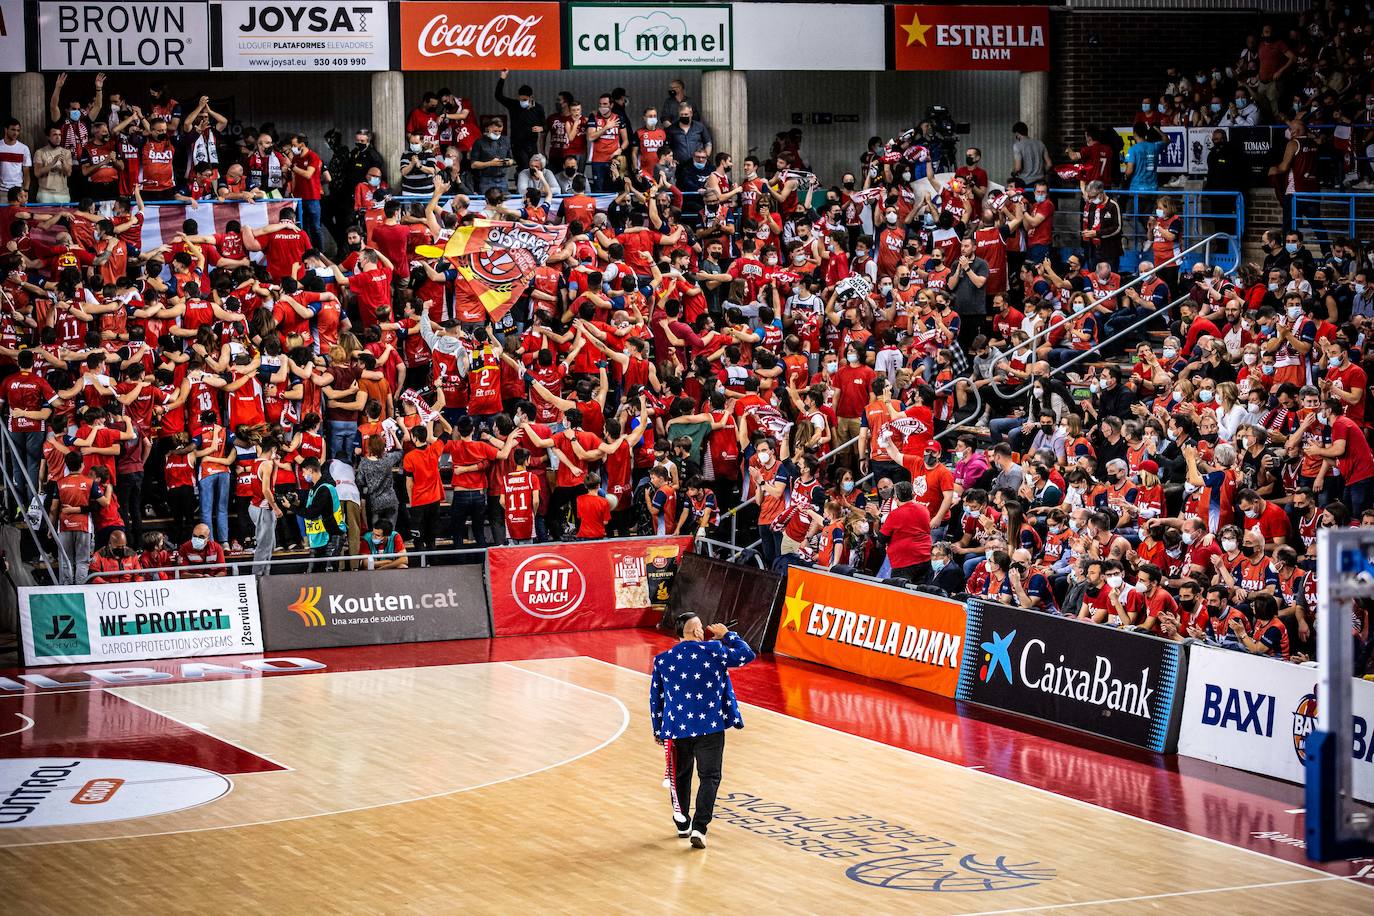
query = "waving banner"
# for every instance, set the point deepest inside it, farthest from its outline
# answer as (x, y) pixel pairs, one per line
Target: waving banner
(497, 259)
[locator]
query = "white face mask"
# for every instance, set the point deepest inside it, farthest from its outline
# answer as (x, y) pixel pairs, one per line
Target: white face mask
(526, 103)
(1250, 359)
(198, 542)
(1142, 587)
(1115, 581)
(853, 358)
(891, 219)
(1170, 353)
(831, 367)
(651, 123)
(1189, 537)
(766, 458)
(493, 135)
(1229, 545)
(415, 147)
(1205, 396)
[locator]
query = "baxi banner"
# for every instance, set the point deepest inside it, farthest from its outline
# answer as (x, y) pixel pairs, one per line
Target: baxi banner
(480, 36)
(879, 631)
(1255, 713)
(338, 35)
(124, 36)
(322, 610)
(129, 621)
(626, 35)
(582, 585)
(1126, 686)
(971, 37)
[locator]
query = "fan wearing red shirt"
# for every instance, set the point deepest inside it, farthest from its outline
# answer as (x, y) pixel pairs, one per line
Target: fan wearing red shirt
(1265, 518)
(156, 159)
(1346, 443)
(470, 461)
(853, 384)
(306, 172)
(648, 140)
(424, 488)
(282, 243)
(519, 497)
(371, 285)
(907, 530)
(593, 511)
(1345, 380)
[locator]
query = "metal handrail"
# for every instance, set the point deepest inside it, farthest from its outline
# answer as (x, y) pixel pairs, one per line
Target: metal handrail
(233, 565)
(1157, 313)
(13, 459)
(1178, 258)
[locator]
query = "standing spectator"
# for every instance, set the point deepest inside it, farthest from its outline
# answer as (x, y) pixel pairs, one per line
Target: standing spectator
(907, 530)
(1101, 226)
(102, 166)
(609, 136)
(1275, 60)
(306, 167)
(686, 135)
(1039, 223)
(526, 117)
(346, 484)
(677, 98)
(156, 159)
(424, 488)
(16, 161)
(1029, 158)
(1226, 168)
(263, 507)
(75, 121)
(418, 168)
(201, 143)
(362, 159)
(491, 159)
(970, 297)
(52, 166)
(75, 534)
(28, 397)
(1142, 160)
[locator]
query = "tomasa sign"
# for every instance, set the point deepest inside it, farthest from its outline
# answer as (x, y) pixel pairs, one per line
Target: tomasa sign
(971, 37)
(480, 36)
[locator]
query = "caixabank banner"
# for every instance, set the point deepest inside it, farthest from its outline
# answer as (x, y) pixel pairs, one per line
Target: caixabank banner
(320, 610)
(1126, 686)
(1255, 713)
(129, 621)
(879, 631)
(587, 585)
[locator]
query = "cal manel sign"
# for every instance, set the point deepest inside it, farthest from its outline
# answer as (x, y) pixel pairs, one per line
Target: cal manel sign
(124, 36)
(480, 36)
(972, 37)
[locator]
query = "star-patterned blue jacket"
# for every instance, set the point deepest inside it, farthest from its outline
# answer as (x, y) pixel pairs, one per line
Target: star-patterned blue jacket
(690, 693)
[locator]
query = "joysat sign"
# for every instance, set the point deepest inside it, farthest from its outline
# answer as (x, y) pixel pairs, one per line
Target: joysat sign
(618, 35)
(972, 37)
(479, 36)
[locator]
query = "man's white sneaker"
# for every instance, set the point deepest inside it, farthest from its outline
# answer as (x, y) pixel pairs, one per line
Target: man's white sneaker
(698, 840)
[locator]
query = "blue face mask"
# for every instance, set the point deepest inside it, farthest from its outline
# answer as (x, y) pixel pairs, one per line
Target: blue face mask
(1144, 106)
(1242, 104)
(1216, 106)
(937, 565)
(1291, 247)
(700, 165)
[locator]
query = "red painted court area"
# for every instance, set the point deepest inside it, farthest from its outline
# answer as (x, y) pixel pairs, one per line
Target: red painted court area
(72, 714)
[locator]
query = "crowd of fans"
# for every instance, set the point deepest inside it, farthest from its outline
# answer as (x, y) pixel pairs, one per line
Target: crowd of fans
(947, 397)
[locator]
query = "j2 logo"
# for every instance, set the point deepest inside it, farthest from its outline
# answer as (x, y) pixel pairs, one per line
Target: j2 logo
(63, 627)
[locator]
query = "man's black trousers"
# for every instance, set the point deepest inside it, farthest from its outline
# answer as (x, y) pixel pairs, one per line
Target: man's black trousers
(704, 753)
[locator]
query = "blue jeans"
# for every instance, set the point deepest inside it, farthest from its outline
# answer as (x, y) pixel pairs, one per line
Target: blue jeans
(468, 505)
(310, 222)
(1004, 426)
(1357, 495)
(214, 505)
(343, 439)
(601, 177)
(29, 450)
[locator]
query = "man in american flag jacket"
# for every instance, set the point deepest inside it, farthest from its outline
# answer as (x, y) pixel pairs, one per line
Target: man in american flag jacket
(692, 703)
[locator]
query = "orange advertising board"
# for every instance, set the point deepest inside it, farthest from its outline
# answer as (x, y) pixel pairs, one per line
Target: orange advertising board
(480, 36)
(875, 630)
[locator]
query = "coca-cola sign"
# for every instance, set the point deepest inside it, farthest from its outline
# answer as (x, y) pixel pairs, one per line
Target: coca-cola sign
(480, 36)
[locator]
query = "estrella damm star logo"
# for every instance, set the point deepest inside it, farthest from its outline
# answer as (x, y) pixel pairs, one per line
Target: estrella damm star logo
(796, 606)
(915, 31)
(307, 608)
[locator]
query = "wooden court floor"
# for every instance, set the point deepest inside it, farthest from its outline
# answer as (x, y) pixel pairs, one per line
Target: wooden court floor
(501, 787)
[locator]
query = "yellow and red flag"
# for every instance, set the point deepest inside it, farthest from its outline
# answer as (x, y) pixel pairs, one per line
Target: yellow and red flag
(496, 260)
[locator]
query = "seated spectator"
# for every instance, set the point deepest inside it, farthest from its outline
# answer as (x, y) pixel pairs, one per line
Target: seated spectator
(200, 556)
(385, 547)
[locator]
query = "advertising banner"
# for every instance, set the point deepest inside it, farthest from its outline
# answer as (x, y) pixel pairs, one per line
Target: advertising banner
(625, 35)
(128, 621)
(124, 36)
(781, 36)
(1095, 678)
(875, 630)
(582, 585)
(1261, 147)
(480, 36)
(374, 608)
(1255, 713)
(1199, 147)
(12, 36)
(971, 37)
(721, 592)
(1173, 158)
(341, 35)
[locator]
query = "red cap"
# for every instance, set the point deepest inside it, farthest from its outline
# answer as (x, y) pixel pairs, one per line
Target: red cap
(1149, 466)
(933, 446)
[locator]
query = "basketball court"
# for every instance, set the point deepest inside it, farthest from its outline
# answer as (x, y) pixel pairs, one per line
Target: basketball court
(491, 775)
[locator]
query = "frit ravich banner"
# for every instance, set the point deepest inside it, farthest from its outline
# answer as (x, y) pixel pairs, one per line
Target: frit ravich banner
(480, 36)
(338, 35)
(496, 259)
(124, 36)
(590, 585)
(177, 618)
(373, 608)
(972, 37)
(1099, 679)
(879, 631)
(625, 35)
(1255, 713)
